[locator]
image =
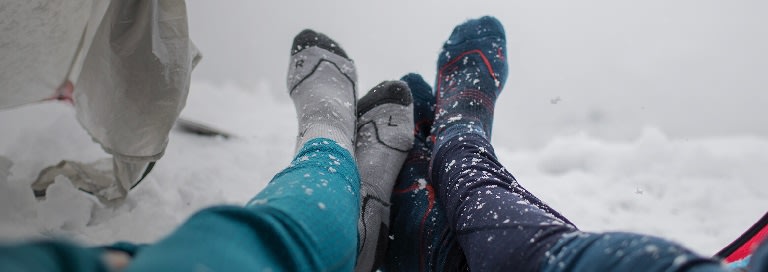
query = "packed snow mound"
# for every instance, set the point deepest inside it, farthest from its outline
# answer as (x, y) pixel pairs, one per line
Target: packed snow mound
(700, 192)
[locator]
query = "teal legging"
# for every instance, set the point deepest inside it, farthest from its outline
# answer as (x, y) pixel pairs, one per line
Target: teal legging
(304, 220)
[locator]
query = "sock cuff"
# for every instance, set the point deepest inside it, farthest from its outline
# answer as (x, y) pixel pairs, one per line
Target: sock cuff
(443, 131)
(319, 132)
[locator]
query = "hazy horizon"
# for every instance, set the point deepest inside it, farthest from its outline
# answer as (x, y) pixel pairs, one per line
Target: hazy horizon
(691, 68)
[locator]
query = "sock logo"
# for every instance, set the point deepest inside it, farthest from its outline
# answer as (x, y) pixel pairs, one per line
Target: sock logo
(390, 122)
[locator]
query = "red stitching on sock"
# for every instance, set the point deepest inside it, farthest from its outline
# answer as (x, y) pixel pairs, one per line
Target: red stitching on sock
(430, 206)
(409, 189)
(454, 60)
(421, 123)
(477, 95)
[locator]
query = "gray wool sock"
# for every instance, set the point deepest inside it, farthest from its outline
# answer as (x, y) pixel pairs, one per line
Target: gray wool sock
(322, 83)
(384, 137)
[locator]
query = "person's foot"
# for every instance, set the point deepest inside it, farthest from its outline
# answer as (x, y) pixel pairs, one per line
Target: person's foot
(322, 84)
(420, 239)
(472, 70)
(384, 137)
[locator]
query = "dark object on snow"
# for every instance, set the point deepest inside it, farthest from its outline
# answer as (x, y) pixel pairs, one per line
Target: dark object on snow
(201, 129)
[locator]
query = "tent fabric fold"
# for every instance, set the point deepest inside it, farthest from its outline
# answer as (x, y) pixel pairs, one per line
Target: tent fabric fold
(129, 63)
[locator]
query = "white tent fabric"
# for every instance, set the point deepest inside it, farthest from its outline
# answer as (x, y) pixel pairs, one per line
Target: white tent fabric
(130, 64)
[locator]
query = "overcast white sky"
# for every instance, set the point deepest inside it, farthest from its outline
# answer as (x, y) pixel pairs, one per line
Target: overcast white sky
(694, 68)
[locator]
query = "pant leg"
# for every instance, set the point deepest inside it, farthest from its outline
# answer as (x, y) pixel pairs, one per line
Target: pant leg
(759, 259)
(50, 256)
(420, 240)
(617, 251)
(499, 224)
(304, 220)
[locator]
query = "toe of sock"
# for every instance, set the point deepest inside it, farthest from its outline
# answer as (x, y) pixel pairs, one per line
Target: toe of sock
(423, 102)
(419, 87)
(309, 38)
(486, 26)
(484, 36)
(387, 92)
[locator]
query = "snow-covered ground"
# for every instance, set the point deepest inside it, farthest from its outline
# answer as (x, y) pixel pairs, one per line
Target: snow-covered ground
(702, 192)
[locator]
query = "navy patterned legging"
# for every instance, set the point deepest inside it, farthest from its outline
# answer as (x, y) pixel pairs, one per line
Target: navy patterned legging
(500, 226)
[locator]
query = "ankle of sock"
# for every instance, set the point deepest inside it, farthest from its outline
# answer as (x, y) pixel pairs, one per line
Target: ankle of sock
(456, 131)
(333, 131)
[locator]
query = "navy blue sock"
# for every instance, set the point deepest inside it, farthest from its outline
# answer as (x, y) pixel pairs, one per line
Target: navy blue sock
(421, 239)
(472, 70)
(423, 105)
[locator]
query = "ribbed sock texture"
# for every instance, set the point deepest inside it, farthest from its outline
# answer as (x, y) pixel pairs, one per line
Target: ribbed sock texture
(384, 137)
(472, 70)
(322, 85)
